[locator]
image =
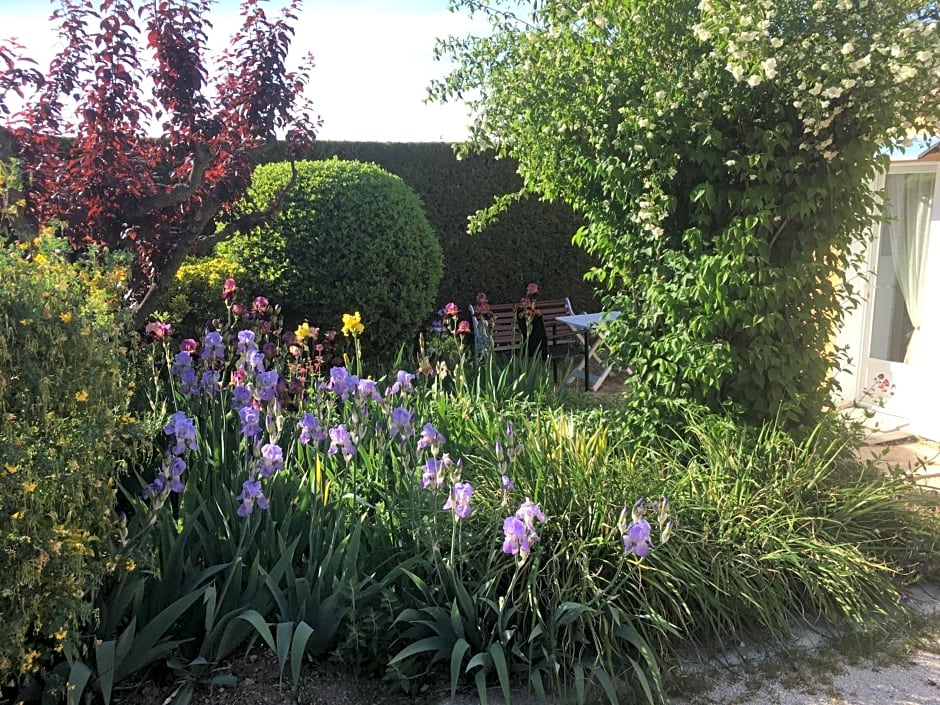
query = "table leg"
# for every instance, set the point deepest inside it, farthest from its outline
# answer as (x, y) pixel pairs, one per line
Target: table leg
(587, 359)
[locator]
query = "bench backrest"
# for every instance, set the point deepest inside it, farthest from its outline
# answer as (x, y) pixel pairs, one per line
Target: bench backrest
(504, 330)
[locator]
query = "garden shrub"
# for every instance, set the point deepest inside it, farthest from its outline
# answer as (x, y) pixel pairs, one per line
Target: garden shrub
(192, 301)
(727, 191)
(350, 237)
(63, 401)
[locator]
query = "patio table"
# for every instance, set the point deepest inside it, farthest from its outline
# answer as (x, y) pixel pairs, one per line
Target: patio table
(587, 327)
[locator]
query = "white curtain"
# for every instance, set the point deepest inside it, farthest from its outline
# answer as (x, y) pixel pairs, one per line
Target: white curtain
(910, 201)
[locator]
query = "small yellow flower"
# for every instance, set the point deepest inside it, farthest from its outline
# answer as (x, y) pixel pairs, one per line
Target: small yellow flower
(130, 565)
(81, 395)
(127, 419)
(40, 258)
(61, 634)
(17, 515)
(11, 469)
(29, 487)
(352, 324)
(66, 317)
(28, 659)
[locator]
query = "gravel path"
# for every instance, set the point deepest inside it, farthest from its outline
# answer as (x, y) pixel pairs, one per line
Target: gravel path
(811, 671)
(905, 672)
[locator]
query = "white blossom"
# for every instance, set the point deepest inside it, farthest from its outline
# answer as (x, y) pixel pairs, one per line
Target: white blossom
(847, 48)
(753, 80)
(701, 33)
(861, 63)
(769, 66)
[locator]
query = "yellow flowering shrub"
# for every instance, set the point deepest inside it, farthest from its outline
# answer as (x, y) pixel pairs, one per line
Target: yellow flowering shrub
(194, 298)
(63, 404)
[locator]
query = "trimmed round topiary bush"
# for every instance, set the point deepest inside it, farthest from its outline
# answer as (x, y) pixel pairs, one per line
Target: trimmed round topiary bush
(349, 237)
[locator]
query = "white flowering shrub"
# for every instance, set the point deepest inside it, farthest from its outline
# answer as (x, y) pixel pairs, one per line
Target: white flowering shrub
(723, 154)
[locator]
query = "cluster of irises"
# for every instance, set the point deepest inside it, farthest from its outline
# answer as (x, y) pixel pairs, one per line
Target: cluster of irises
(257, 395)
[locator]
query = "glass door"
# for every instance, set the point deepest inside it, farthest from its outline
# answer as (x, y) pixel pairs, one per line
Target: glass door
(895, 369)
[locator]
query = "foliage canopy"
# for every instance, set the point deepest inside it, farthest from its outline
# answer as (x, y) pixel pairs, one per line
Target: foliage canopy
(722, 153)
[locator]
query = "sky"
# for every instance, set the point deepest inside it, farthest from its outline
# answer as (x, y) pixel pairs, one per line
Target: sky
(374, 61)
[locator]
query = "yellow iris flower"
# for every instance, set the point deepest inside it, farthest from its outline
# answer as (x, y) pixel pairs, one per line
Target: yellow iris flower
(352, 324)
(303, 332)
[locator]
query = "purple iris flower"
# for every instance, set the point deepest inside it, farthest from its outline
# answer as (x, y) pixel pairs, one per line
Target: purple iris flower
(431, 438)
(403, 384)
(209, 384)
(268, 383)
(519, 529)
(272, 459)
(251, 494)
(507, 485)
(366, 390)
(401, 423)
(432, 477)
(155, 488)
(528, 513)
(310, 429)
(241, 396)
(176, 469)
(341, 383)
(212, 348)
(341, 440)
(516, 538)
(184, 429)
(246, 341)
(182, 369)
(254, 360)
(181, 361)
(637, 534)
(459, 499)
(251, 421)
(636, 539)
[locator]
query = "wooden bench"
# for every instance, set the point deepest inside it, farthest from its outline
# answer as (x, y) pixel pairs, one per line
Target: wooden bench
(503, 332)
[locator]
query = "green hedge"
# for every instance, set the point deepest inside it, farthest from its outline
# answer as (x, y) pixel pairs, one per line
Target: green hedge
(530, 242)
